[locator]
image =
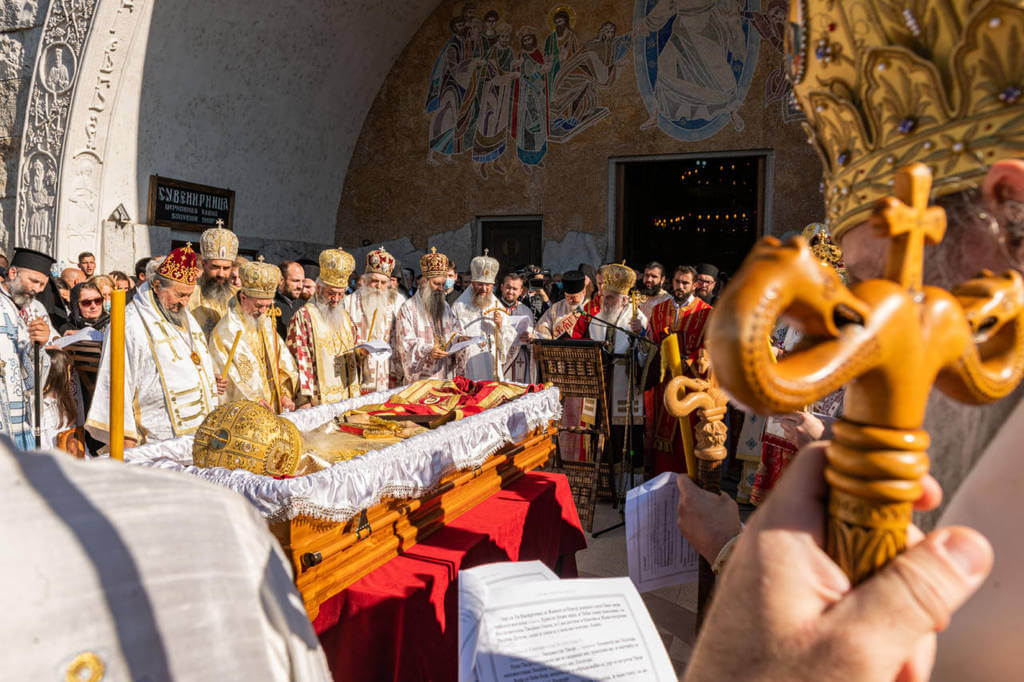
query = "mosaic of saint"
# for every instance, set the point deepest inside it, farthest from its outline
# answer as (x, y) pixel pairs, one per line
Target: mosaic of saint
(502, 95)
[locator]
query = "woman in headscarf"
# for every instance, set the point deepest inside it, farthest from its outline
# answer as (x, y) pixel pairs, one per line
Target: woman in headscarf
(87, 309)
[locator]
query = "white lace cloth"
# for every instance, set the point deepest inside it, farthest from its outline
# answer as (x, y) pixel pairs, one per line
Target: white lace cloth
(403, 470)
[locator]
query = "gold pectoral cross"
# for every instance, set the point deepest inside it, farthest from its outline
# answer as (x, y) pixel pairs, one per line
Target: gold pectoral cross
(168, 339)
(888, 341)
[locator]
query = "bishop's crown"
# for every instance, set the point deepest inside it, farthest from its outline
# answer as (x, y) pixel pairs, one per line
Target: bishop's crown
(885, 84)
(336, 266)
(434, 264)
(379, 262)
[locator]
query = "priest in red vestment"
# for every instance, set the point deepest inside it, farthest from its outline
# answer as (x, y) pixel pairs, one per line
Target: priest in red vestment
(684, 315)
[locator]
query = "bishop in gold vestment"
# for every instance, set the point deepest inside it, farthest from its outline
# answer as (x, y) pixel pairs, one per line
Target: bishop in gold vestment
(218, 248)
(322, 337)
(262, 368)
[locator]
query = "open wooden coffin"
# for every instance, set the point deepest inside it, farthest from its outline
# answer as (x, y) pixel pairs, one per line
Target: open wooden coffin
(338, 524)
(328, 557)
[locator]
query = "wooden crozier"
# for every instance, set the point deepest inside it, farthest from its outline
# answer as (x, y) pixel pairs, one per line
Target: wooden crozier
(890, 340)
(684, 395)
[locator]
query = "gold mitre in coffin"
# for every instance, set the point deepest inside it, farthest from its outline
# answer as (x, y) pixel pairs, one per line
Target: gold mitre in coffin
(245, 435)
(218, 244)
(259, 280)
(887, 84)
(618, 278)
(336, 266)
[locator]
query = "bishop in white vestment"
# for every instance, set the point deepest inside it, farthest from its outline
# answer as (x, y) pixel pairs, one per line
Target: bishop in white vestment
(608, 325)
(23, 322)
(169, 379)
(479, 313)
(373, 308)
(322, 337)
(426, 327)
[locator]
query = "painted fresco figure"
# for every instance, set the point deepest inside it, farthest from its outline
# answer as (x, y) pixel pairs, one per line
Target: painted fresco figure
(530, 107)
(448, 82)
(574, 104)
(492, 128)
(698, 64)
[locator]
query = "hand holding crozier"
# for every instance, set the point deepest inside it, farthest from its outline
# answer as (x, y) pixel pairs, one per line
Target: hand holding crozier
(889, 340)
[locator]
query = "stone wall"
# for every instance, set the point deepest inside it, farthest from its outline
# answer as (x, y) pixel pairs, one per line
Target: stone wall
(20, 29)
(403, 188)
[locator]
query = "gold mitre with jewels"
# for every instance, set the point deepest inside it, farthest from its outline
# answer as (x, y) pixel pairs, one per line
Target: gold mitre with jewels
(245, 435)
(336, 266)
(379, 262)
(483, 269)
(218, 244)
(259, 280)
(618, 278)
(887, 84)
(434, 264)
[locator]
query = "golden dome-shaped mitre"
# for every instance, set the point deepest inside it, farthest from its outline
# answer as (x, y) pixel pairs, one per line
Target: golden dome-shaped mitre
(245, 435)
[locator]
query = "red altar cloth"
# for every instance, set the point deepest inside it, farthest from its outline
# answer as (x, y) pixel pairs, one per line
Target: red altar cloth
(400, 622)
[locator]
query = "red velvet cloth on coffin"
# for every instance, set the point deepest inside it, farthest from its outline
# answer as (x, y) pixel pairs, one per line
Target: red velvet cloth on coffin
(400, 622)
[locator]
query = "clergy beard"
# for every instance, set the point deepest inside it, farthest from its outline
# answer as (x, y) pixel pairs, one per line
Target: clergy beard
(177, 319)
(652, 291)
(20, 293)
(610, 311)
(216, 290)
(433, 303)
(481, 301)
(333, 315)
(250, 323)
(679, 296)
(375, 301)
(705, 297)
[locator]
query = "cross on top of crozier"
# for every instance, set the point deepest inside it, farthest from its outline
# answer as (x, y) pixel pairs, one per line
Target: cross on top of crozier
(907, 219)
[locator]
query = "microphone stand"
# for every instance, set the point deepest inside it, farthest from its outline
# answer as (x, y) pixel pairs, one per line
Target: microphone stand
(619, 488)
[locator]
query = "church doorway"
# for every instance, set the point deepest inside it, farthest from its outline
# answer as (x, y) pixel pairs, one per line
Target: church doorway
(708, 208)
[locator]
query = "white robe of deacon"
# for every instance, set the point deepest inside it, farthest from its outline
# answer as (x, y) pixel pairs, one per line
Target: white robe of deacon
(600, 331)
(477, 322)
(167, 393)
(519, 365)
(120, 572)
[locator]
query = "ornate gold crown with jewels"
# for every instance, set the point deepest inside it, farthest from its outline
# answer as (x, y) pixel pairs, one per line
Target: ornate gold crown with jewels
(259, 280)
(336, 267)
(218, 244)
(885, 84)
(434, 264)
(246, 435)
(618, 278)
(379, 262)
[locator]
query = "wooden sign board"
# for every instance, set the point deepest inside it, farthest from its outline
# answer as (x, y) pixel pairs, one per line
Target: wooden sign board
(188, 206)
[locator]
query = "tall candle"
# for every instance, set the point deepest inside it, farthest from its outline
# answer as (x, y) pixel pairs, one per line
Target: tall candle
(117, 374)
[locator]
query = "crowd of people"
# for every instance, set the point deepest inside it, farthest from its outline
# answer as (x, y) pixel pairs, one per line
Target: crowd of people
(210, 326)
